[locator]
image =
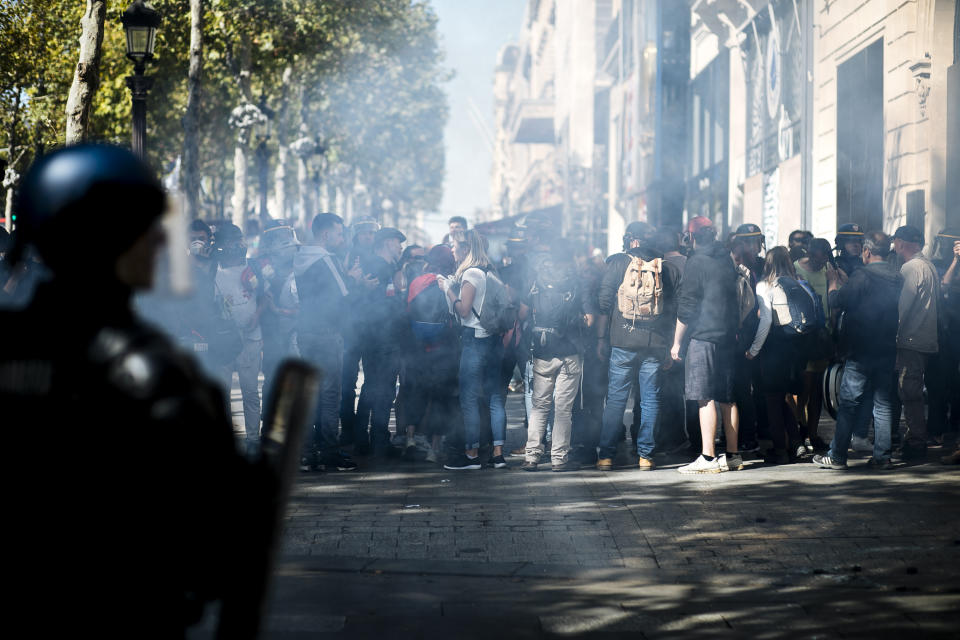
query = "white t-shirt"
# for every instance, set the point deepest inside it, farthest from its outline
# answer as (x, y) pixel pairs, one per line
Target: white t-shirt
(239, 300)
(477, 278)
(765, 293)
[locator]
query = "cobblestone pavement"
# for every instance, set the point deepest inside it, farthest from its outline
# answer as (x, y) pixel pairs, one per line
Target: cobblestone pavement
(409, 550)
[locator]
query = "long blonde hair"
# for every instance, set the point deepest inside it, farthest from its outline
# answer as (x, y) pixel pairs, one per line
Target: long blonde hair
(477, 253)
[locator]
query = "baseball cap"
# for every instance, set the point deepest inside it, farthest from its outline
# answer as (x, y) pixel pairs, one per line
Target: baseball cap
(698, 222)
(909, 233)
(441, 256)
(640, 230)
(388, 233)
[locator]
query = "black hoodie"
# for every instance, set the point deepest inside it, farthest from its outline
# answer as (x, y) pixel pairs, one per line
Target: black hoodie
(869, 301)
(708, 304)
(634, 335)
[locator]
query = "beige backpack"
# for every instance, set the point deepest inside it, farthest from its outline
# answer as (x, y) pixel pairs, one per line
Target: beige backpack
(641, 293)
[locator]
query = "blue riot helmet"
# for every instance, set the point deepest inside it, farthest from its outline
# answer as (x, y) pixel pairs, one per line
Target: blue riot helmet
(86, 204)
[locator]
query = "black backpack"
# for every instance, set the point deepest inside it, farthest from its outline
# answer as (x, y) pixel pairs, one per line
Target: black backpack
(427, 306)
(802, 313)
(555, 308)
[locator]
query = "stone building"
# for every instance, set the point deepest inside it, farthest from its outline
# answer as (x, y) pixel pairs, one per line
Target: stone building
(546, 144)
(836, 111)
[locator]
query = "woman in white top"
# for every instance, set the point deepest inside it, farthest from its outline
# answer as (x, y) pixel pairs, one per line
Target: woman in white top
(480, 355)
(781, 358)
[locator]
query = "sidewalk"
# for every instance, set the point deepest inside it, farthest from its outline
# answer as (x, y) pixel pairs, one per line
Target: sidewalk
(409, 550)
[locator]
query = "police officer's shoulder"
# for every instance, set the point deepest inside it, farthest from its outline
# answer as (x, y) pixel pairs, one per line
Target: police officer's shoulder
(142, 363)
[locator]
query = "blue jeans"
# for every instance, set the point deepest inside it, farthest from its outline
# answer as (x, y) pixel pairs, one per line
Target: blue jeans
(865, 388)
(624, 365)
(480, 379)
(325, 352)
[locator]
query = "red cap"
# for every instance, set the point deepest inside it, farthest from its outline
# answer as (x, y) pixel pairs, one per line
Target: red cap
(698, 223)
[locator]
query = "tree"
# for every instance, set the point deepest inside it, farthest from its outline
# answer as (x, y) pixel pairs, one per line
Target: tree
(358, 80)
(191, 119)
(86, 76)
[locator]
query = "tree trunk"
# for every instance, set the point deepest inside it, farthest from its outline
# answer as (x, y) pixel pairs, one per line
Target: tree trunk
(280, 175)
(240, 198)
(86, 77)
(305, 188)
(191, 119)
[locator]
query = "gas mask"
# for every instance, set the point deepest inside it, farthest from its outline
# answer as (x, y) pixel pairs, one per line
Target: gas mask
(199, 249)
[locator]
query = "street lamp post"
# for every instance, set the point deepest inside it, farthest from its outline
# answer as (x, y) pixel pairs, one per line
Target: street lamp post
(140, 22)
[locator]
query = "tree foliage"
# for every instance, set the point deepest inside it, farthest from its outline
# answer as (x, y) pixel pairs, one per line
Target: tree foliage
(366, 81)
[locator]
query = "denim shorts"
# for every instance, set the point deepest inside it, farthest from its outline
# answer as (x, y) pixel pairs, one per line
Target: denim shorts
(709, 371)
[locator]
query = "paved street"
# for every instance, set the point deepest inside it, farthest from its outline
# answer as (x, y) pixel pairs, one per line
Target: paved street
(408, 550)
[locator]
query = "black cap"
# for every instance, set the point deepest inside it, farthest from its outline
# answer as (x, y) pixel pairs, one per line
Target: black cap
(640, 230)
(388, 233)
(228, 232)
(909, 233)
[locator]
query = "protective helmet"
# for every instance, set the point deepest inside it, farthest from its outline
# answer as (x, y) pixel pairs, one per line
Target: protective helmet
(277, 238)
(750, 231)
(363, 222)
(943, 245)
(847, 232)
(86, 202)
(950, 235)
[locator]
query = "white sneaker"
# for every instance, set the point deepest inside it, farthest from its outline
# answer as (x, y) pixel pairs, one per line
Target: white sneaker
(730, 462)
(431, 455)
(702, 465)
(862, 445)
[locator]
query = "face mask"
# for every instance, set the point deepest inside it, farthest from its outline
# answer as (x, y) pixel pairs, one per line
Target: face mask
(198, 248)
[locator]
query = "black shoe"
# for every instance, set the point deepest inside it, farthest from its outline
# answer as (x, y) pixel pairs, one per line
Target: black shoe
(306, 464)
(913, 452)
(463, 463)
(340, 462)
(569, 465)
(818, 444)
(497, 462)
(528, 466)
(361, 449)
(880, 465)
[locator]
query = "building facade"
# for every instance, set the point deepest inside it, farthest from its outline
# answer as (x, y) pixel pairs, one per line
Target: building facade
(789, 114)
(837, 111)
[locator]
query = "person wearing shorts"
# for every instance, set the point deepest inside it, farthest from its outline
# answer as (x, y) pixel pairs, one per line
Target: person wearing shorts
(708, 312)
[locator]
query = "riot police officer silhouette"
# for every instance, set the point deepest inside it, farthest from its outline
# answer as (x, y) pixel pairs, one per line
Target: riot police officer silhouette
(129, 499)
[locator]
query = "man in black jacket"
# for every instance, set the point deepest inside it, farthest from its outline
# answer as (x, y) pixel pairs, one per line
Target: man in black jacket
(322, 289)
(636, 345)
(869, 334)
(708, 311)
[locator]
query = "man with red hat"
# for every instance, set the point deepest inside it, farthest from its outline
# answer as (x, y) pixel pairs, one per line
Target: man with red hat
(708, 314)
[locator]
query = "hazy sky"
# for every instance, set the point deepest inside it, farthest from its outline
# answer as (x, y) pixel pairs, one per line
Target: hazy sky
(472, 32)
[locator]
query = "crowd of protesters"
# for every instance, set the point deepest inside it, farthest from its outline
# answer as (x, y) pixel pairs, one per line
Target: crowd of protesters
(722, 344)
